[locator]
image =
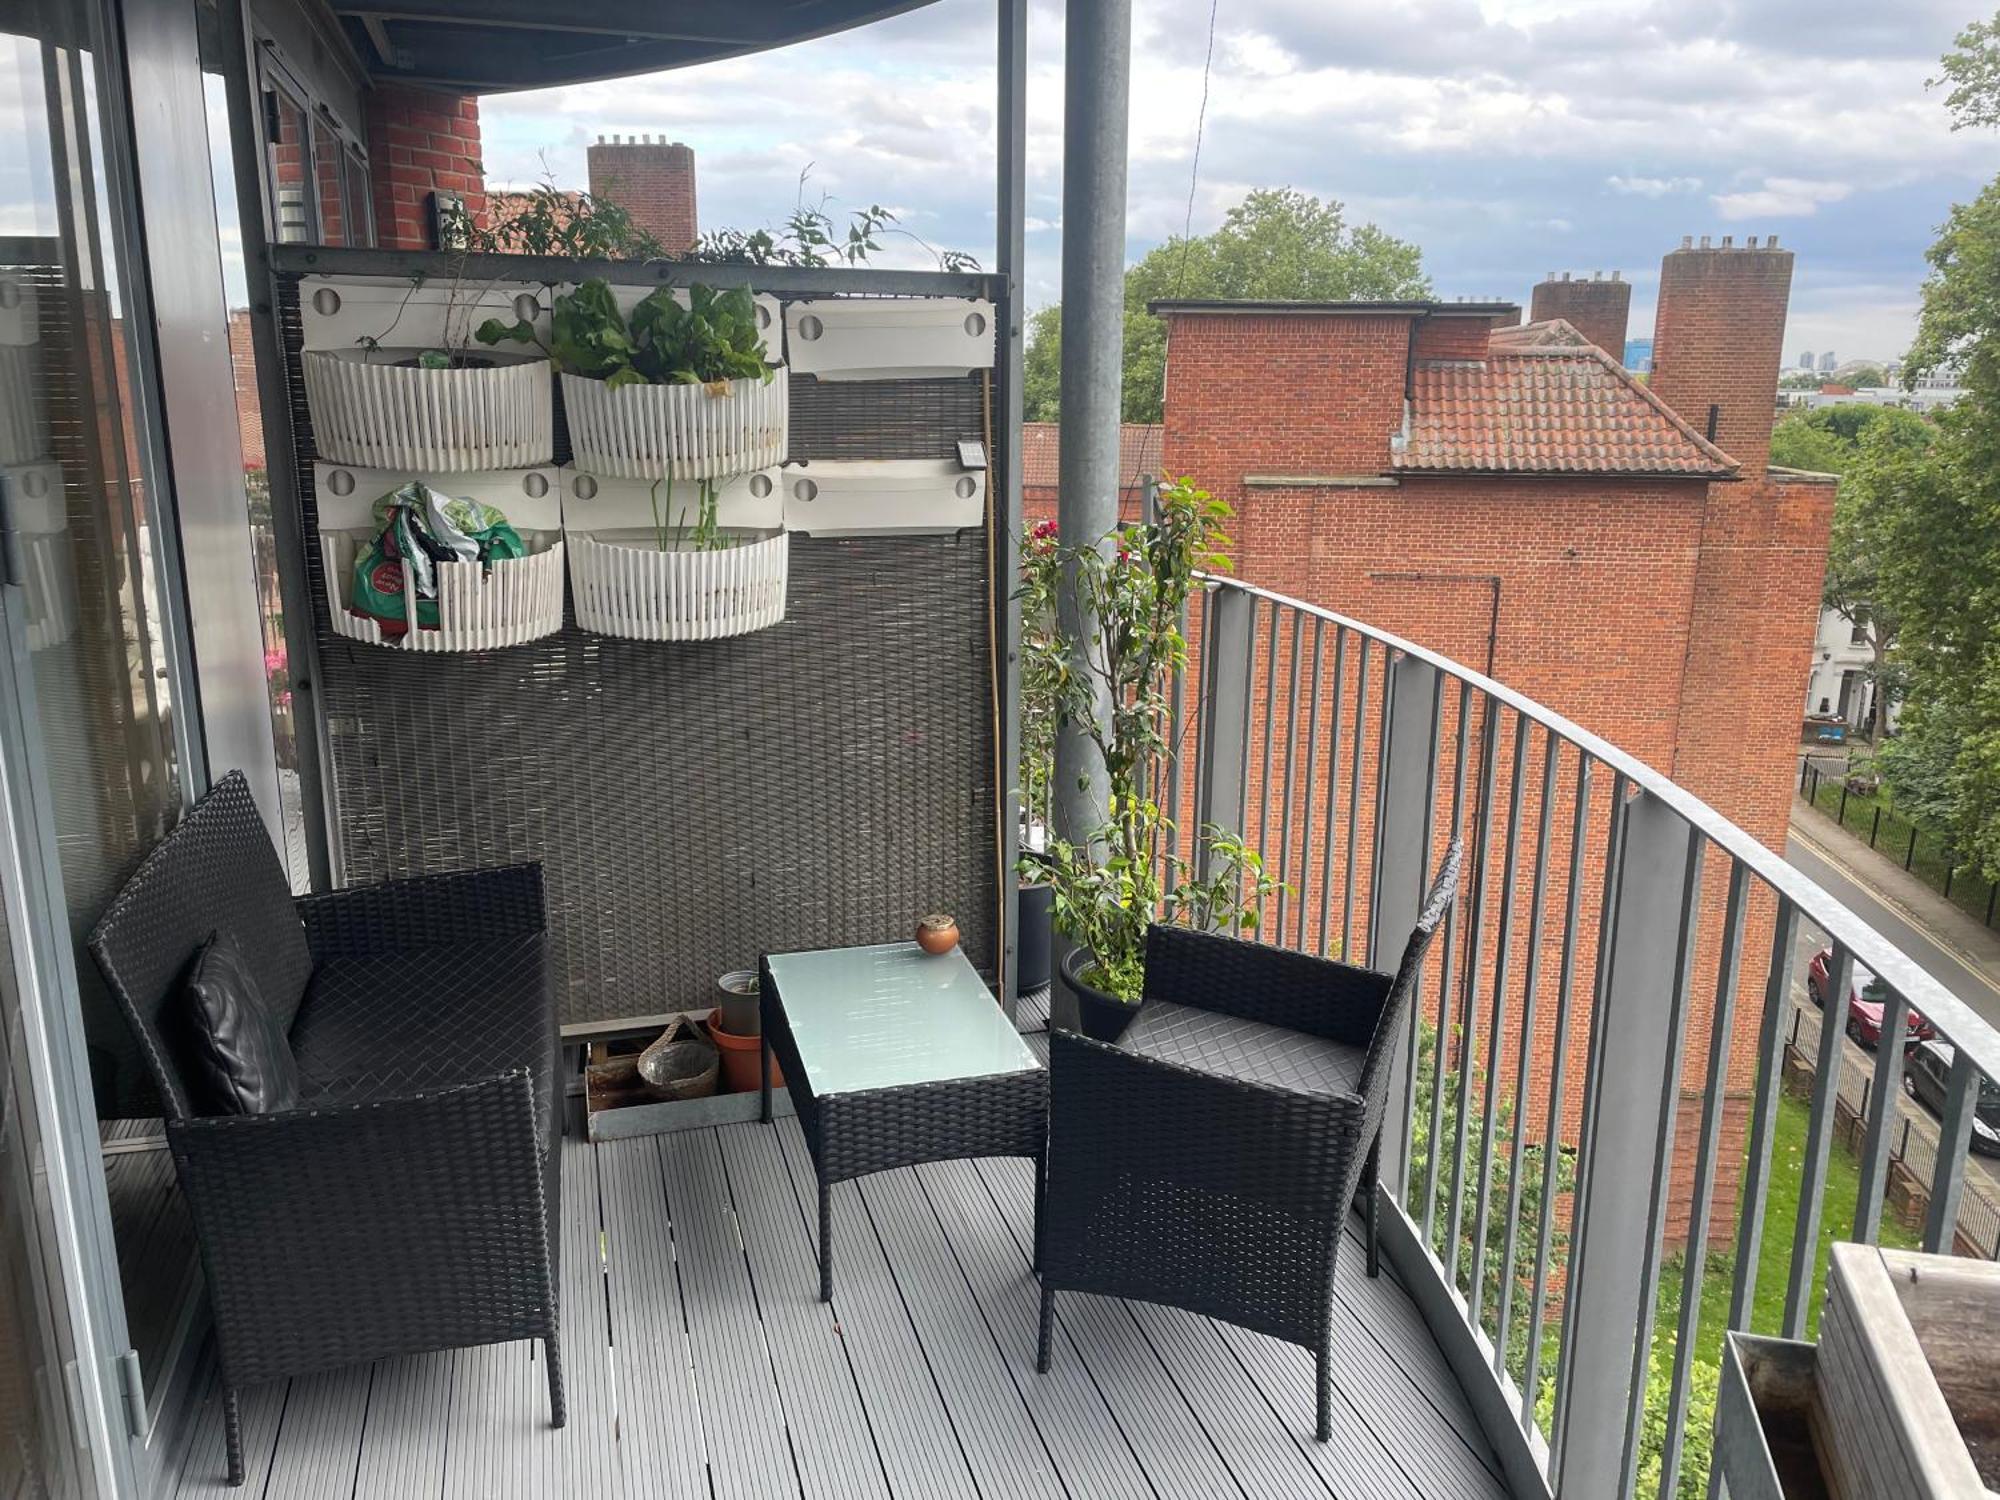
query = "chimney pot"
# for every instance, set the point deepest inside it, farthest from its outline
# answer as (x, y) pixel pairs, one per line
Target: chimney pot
(1687, 242)
(1730, 239)
(1771, 242)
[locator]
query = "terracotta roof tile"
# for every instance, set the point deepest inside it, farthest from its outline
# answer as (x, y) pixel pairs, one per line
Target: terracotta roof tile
(1041, 453)
(1548, 409)
(1550, 333)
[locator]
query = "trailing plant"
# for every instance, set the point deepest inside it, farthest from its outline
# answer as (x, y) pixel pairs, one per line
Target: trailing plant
(1041, 673)
(808, 236)
(1114, 689)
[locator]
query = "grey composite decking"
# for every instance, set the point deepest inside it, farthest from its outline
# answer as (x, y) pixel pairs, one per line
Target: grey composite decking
(700, 1363)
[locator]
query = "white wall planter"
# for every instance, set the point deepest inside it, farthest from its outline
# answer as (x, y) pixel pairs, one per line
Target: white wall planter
(24, 428)
(908, 496)
(348, 312)
(1906, 1371)
(625, 586)
(889, 338)
(20, 314)
(376, 408)
(39, 514)
(479, 609)
(602, 502)
(687, 431)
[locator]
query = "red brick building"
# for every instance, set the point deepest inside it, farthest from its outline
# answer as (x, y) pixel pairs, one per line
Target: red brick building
(1512, 497)
(1139, 455)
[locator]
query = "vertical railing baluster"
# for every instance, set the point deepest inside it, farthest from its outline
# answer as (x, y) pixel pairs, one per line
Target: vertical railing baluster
(1174, 760)
(1593, 1069)
(1694, 1266)
(1763, 1126)
(1312, 779)
(1961, 1097)
(1332, 790)
(1224, 764)
(1264, 774)
(1524, 1070)
(1497, 1034)
(1819, 1141)
(1468, 1043)
(1886, 1090)
(1372, 947)
(1558, 1071)
(1441, 1042)
(1415, 1043)
(1291, 767)
(1354, 809)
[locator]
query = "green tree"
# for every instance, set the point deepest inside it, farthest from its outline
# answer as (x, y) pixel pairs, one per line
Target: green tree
(1276, 243)
(1939, 531)
(1876, 451)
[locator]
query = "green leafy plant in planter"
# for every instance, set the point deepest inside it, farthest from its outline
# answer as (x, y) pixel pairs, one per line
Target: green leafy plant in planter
(1132, 870)
(712, 340)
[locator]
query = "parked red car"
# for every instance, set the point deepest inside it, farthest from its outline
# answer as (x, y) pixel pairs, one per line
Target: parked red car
(1864, 1003)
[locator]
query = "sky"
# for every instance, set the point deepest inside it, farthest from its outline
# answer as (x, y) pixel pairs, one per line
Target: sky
(1507, 138)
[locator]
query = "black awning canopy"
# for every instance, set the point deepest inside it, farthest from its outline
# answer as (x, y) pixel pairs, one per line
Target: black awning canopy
(493, 46)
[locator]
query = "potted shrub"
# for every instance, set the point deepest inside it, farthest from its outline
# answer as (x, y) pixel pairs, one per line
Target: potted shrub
(1129, 872)
(678, 395)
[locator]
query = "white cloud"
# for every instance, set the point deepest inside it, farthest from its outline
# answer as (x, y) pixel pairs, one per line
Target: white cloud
(1652, 187)
(1781, 198)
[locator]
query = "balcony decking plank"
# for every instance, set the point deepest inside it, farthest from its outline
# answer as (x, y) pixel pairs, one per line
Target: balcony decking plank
(700, 1364)
(831, 1436)
(662, 1445)
(913, 1432)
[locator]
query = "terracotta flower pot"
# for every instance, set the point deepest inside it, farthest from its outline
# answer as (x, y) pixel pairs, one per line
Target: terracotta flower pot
(739, 1058)
(937, 934)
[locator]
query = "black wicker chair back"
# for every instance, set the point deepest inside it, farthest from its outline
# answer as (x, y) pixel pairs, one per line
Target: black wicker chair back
(218, 870)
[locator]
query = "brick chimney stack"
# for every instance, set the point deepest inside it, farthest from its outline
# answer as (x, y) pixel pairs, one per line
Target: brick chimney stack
(652, 179)
(1597, 308)
(1717, 341)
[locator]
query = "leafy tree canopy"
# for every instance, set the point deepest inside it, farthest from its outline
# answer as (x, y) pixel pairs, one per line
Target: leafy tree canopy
(1276, 243)
(1972, 70)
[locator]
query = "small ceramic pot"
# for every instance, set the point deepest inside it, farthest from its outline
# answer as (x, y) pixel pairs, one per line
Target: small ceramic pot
(937, 934)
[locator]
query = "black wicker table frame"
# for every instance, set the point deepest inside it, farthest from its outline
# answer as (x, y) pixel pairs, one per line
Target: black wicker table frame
(911, 1115)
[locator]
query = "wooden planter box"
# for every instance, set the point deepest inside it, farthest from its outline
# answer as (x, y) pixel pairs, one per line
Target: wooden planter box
(1909, 1375)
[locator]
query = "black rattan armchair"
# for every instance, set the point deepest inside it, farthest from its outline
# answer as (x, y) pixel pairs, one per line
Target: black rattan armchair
(1208, 1158)
(409, 1203)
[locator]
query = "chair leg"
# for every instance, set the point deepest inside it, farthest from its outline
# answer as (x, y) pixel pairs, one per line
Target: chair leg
(558, 1406)
(1041, 1206)
(1324, 1360)
(232, 1430)
(1370, 1176)
(1046, 1337)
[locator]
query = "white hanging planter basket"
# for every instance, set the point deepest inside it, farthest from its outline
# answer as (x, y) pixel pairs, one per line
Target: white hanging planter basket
(479, 608)
(626, 586)
(682, 431)
(378, 408)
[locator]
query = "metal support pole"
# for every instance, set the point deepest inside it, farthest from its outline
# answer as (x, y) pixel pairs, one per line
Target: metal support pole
(1097, 65)
(1609, 1282)
(1403, 845)
(1010, 199)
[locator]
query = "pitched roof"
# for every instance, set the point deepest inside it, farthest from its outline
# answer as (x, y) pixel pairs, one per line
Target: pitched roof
(1547, 409)
(1041, 453)
(1550, 333)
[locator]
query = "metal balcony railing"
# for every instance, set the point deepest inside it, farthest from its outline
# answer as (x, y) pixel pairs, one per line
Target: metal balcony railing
(1562, 1206)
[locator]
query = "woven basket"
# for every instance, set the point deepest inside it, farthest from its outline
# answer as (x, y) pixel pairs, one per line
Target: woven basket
(625, 586)
(372, 411)
(479, 609)
(681, 1064)
(677, 431)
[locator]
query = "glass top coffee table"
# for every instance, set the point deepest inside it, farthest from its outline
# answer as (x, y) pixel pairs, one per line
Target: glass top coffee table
(894, 1056)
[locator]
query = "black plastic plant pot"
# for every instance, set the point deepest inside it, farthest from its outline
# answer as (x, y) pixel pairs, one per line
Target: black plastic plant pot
(1033, 939)
(1101, 1016)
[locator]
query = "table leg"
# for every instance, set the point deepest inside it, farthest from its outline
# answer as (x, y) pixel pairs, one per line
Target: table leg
(764, 1073)
(825, 1241)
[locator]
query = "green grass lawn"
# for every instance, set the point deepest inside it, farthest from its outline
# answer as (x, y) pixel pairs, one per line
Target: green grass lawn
(1767, 1311)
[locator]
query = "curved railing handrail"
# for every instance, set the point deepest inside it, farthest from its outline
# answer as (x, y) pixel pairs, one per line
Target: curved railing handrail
(1954, 1020)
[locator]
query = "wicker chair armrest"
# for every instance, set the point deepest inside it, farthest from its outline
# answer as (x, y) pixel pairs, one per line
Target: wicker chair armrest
(1298, 1152)
(1258, 982)
(426, 911)
(331, 1236)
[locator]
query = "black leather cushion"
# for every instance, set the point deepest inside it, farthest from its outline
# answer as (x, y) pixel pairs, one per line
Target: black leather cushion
(1252, 1051)
(426, 1018)
(238, 1061)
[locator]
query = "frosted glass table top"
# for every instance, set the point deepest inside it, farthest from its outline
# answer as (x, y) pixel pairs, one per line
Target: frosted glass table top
(892, 1015)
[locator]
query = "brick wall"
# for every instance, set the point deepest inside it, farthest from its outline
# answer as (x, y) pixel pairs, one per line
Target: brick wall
(1717, 339)
(1598, 309)
(1450, 336)
(420, 142)
(249, 414)
(653, 180)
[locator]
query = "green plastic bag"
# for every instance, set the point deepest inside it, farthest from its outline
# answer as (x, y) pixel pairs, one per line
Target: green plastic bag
(428, 531)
